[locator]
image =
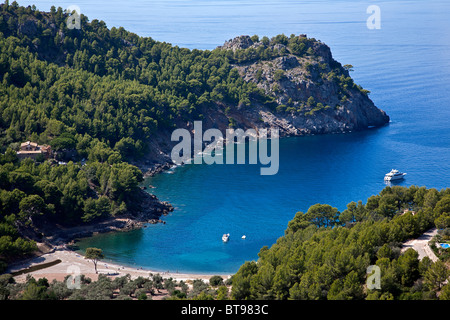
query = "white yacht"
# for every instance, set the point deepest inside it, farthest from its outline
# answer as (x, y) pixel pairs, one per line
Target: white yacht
(394, 175)
(225, 237)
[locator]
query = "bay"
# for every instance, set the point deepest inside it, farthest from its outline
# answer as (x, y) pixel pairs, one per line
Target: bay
(405, 65)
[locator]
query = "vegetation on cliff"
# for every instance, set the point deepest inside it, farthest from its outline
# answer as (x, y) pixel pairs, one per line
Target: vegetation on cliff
(103, 95)
(33, 194)
(325, 253)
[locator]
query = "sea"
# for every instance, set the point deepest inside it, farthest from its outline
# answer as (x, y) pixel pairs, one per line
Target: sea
(400, 51)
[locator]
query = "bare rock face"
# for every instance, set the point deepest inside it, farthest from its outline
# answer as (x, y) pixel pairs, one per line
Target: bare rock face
(28, 27)
(313, 92)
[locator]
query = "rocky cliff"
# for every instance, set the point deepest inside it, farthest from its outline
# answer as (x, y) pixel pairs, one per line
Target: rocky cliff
(312, 94)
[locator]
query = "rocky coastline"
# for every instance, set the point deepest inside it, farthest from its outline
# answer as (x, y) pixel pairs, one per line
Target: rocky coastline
(312, 93)
(308, 91)
(48, 235)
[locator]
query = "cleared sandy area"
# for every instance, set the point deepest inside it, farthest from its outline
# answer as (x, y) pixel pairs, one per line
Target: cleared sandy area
(74, 263)
(421, 245)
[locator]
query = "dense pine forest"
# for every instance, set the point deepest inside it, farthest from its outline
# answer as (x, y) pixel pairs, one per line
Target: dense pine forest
(97, 96)
(324, 255)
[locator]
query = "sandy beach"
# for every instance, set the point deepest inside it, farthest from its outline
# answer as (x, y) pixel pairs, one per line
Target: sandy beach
(74, 263)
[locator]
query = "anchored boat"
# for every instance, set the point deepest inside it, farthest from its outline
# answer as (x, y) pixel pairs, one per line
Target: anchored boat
(394, 175)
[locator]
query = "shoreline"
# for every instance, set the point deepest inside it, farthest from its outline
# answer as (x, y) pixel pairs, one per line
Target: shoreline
(55, 247)
(50, 234)
(73, 262)
(63, 237)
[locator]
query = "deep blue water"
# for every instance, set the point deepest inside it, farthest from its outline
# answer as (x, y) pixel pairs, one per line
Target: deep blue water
(405, 65)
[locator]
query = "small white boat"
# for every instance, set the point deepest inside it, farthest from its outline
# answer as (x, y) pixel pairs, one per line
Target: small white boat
(244, 236)
(225, 237)
(394, 175)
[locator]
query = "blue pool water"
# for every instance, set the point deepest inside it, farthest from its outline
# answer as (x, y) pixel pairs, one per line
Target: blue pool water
(405, 65)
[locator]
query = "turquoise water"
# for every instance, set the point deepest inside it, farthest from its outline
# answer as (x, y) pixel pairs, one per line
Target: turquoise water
(406, 66)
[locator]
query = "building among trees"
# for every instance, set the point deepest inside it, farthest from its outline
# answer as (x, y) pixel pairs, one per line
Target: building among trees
(32, 150)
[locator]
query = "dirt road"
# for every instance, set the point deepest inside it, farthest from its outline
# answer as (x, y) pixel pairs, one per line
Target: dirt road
(421, 245)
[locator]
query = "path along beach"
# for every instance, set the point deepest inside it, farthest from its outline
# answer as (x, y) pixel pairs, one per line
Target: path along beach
(75, 263)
